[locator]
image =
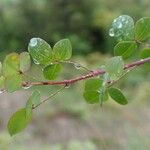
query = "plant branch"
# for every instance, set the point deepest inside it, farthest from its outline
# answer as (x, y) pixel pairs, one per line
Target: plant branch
(122, 76)
(52, 95)
(76, 65)
(93, 73)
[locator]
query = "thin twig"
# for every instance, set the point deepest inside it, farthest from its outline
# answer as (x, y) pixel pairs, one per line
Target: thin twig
(122, 76)
(93, 73)
(52, 95)
(76, 65)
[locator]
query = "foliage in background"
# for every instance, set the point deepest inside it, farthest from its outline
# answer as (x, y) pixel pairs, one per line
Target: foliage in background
(50, 60)
(85, 22)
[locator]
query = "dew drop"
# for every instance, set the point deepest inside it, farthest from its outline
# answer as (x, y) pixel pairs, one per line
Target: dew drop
(120, 25)
(77, 66)
(114, 20)
(33, 42)
(26, 87)
(111, 32)
(123, 19)
(36, 62)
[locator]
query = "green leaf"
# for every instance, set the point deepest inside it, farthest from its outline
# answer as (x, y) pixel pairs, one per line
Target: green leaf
(11, 64)
(40, 51)
(25, 61)
(91, 96)
(142, 29)
(35, 97)
(13, 82)
(62, 50)
(91, 91)
(2, 81)
(33, 100)
(103, 94)
(29, 106)
(125, 49)
(145, 53)
(93, 84)
(51, 72)
(117, 95)
(114, 67)
(18, 122)
(122, 28)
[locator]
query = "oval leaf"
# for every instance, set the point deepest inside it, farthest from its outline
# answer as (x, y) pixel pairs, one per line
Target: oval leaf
(11, 64)
(93, 84)
(25, 61)
(51, 72)
(40, 51)
(145, 53)
(18, 122)
(122, 28)
(91, 90)
(103, 95)
(62, 50)
(13, 82)
(91, 96)
(125, 49)
(117, 95)
(142, 29)
(33, 100)
(114, 67)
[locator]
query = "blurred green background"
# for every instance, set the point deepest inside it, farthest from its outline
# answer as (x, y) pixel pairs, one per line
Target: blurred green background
(68, 122)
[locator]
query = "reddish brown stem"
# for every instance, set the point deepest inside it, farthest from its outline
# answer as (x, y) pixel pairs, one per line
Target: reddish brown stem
(93, 73)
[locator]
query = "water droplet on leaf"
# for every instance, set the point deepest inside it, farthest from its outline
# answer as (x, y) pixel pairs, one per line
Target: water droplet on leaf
(120, 25)
(36, 62)
(26, 87)
(122, 28)
(111, 32)
(33, 42)
(77, 66)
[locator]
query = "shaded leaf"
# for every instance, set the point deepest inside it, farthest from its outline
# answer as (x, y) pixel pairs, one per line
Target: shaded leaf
(62, 50)
(13, 82)
(118, 96)
(145, 53)
(103, 94)
(91, 91)
(33, 100)
(114, 67)
(11, 64)
(91, 96)
(51, 72)
(25, 61)
(142, 29)
(18, 122)
(125, 49)
(93, 84)
(40, 51)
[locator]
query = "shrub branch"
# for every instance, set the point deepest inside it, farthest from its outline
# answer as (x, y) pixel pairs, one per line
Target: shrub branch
(91, 74)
